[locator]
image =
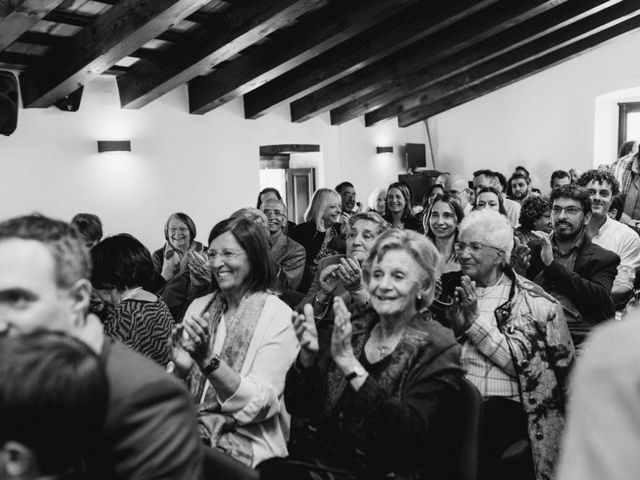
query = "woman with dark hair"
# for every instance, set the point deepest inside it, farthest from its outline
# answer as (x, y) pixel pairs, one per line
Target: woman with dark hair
(432, 192)
(235, 346)
(178, 251)
(490, 197)
(122, 270)
(441, 226)
(534, 215)
(399, 212)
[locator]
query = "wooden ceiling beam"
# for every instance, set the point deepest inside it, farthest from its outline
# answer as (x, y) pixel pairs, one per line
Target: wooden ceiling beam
(18, 17)
(310, 37)
(535, 63)
(385, 73)
(119, 31)
(235, 29)
(365, 48)
(383, 104)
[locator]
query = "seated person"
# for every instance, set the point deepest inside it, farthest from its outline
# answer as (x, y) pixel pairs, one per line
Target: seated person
(491, 198)
(383, 398)
(180, 235)
(517, 351)
(122, 270)
(569, 266)
(399, 211)
(89, 226)
(610, 234)
(534, 215)
(341, 275)
(288, 255)
(271, 193)
(235, 346)
(53, 402)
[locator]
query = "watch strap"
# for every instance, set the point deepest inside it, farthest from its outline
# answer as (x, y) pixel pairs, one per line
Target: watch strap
(211, 366)
(351, 376)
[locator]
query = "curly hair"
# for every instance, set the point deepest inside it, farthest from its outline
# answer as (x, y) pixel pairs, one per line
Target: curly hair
(600, 176)
(532, 209)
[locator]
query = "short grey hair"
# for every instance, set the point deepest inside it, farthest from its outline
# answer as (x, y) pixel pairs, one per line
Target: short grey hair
(374, 217)
(489, 227)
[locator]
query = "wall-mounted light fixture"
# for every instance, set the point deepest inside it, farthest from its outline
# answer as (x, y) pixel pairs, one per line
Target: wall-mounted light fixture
(384, 149)
(114, 146)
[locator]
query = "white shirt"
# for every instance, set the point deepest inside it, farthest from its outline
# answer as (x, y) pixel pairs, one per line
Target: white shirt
(624, 242)
(258, 403)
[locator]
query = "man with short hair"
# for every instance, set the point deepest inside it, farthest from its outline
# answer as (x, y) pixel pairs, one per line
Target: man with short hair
(570, 267)
(150, 431)
(53, 402)
(288, 254)
(520, 187)
(602, 186)
(559, 178)
(89, 226)
(348, 195)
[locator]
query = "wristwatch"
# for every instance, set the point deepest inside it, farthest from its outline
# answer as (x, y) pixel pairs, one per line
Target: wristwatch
(211, 366)
(358, 371)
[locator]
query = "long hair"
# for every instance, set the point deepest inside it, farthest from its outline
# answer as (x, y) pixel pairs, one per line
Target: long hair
(495, 191)
(458, 215)
(406, 194)
(321, 199)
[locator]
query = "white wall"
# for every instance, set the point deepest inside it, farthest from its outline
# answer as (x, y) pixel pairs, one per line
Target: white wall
(206, 166)
(546, 121)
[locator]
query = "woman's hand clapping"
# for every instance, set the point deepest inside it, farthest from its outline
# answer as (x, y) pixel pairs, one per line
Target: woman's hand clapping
(341, 348)
(305, 327)
(465, 305)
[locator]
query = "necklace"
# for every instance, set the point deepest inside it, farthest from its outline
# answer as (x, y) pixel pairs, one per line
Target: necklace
(381, 349)
(487, 290)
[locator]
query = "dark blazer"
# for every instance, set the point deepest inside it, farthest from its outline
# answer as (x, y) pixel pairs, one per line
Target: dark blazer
(150, 432)
(588, 286)
(290, 256)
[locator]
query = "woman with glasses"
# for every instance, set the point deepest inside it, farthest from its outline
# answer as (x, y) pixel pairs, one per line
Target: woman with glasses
(235, 346)
(517, 351)
(177, 253)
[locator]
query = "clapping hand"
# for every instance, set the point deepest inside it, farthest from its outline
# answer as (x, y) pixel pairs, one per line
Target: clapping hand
(350, 273)
(546, 253)
(305, 328)
(520, 256)
(341, 348)
(199, 271)
(329, 279)
(195, 336)
(465, 305)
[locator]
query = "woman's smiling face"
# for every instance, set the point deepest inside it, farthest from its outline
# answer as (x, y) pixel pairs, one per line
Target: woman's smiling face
(179, 235)
(228, 262)
(442, 220)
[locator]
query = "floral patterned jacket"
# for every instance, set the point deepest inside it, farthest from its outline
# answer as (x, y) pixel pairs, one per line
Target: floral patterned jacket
(542, 353)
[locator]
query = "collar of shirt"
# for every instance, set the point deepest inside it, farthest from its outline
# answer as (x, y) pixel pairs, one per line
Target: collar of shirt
(576, 245)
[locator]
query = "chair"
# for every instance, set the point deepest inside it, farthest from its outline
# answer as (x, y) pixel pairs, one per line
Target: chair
(469, 447)
(217, 465)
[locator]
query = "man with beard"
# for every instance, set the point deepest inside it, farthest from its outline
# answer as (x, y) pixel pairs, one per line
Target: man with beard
(570, 267)
(602, 186)
(520, 187)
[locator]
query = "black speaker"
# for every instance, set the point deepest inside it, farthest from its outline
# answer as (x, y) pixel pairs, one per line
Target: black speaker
(8, 103)
(71, 103)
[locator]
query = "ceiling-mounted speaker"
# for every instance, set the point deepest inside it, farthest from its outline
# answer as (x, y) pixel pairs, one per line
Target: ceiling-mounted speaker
(71, 103)
(8, 103)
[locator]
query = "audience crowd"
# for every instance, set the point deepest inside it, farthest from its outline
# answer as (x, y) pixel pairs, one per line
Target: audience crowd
(446, 337)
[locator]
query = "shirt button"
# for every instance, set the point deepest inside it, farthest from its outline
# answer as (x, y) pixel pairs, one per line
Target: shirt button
(539, 435)
(532, 400)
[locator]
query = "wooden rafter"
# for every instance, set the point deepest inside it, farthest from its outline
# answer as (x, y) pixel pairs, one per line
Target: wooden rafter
(388, 37)
(231, 32)
(387, 72)
(18, 17)
(121, 30)
(536, 63)
(336, 23)
(407, 94)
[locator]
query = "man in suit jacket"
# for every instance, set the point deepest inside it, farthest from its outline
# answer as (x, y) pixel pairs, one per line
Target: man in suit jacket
(287, 254)
(570, 267)
(150, 431)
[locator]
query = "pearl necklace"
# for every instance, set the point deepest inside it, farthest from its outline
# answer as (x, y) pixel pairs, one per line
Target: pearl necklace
(487, 290)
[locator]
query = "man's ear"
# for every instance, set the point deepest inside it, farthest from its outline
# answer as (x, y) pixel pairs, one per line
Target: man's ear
(587, 217)
(19, 461)
(80, 294)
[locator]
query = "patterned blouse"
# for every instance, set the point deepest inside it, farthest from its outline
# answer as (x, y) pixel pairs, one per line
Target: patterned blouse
(143, 326)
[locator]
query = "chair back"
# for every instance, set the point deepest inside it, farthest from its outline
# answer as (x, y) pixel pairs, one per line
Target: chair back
(468, 452)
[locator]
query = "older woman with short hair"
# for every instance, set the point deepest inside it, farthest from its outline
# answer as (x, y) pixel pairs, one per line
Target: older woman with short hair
(341, 275)
(319, 233)
(516, 348)
(382, 398)
(399, 211)
(180, 236)
(235, 347)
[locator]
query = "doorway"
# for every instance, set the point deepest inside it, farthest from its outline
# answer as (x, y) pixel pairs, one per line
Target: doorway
(291, 169)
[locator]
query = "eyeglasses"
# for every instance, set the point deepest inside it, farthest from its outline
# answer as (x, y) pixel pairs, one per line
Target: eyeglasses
(276, 213)
(226, 255)
(474, 247)
(176, 230)
(571, 211)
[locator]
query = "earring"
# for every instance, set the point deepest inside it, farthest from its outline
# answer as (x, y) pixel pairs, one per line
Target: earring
(419, 296)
